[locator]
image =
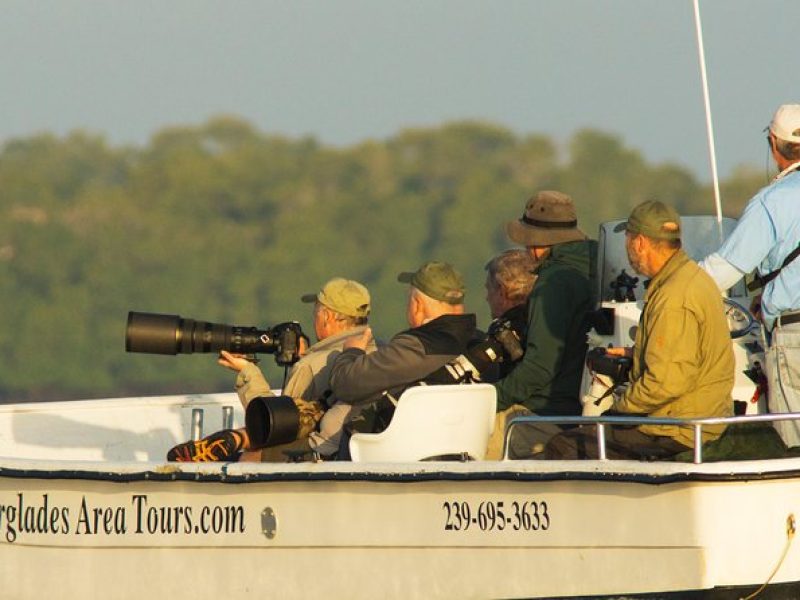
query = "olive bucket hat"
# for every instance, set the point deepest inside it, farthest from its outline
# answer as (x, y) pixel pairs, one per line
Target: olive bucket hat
(549, 218)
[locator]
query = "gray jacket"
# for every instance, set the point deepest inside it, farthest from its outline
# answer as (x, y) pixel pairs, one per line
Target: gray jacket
(360, 379)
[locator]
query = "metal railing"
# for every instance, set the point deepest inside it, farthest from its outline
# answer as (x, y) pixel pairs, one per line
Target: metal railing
(601, 422)
(197, 421)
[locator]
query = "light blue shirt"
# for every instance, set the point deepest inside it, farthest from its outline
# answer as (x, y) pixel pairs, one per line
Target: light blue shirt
(765, 235)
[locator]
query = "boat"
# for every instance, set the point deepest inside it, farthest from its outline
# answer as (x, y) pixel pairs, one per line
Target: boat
(89, 507)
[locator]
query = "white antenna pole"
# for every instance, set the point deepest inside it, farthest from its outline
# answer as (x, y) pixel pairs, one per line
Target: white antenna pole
(709, 126)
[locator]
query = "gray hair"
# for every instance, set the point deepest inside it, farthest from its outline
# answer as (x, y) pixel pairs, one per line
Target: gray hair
(512, 271)
(349, 321)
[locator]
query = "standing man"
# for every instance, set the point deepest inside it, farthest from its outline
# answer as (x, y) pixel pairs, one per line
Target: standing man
(767, 237)
(547, 379)
(683, 364)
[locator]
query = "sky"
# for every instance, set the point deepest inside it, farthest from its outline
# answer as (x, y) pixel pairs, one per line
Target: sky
(344, 71)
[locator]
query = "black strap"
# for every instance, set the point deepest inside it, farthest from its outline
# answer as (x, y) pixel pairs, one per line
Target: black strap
(761, 281)
(549, 224)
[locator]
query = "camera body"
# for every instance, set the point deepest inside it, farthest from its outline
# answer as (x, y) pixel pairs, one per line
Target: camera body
(285, 340)
(506, 339)
(153, 333)
(615, 367)
(501, 344)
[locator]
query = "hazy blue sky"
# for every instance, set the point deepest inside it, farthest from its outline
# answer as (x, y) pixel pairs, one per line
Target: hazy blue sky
(347, 70)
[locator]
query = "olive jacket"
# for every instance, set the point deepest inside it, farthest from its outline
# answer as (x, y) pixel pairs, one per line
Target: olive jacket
(683, 365)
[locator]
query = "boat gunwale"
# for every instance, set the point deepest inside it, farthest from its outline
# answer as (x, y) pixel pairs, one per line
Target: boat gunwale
(514, 471)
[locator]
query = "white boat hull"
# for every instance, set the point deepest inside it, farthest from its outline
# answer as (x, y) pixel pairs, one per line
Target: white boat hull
(110, 519)
(396, 531)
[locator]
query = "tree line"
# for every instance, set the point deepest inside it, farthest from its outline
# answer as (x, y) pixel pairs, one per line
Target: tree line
(224, 223)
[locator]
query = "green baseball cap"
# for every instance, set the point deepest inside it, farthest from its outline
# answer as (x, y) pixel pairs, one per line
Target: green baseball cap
(345, 296)
(653, 219)
(439, 280)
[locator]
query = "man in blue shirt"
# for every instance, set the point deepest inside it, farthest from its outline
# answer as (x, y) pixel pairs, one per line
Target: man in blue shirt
(765, 237)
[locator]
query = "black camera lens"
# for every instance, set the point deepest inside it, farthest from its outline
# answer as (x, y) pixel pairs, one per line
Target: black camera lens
(153, 333)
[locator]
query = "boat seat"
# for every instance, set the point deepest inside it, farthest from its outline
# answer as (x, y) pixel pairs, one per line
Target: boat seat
(432, 421)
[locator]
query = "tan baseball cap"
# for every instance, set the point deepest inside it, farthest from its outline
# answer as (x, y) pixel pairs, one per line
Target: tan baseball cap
(436, 279)
(345, 296)
(653, 219)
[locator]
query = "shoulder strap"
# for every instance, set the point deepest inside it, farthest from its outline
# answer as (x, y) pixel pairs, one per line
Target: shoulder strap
(761, 281)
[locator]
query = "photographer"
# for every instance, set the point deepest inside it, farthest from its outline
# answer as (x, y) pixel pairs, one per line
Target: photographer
(440, 331)
(510, 277)
(341, 309)
(509, 280)
(683, 364)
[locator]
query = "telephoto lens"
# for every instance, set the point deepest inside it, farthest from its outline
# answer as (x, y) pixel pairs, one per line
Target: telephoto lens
(154, 333)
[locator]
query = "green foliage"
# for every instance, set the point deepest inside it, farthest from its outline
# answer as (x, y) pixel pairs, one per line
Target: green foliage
(224, 223)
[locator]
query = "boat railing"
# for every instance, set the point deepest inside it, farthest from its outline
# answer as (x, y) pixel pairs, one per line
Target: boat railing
(600, 422)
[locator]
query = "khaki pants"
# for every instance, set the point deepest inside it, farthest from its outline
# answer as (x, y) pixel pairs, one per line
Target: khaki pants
(527, 440)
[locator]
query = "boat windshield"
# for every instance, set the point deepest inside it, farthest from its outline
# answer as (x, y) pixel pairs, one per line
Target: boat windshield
(700, 236)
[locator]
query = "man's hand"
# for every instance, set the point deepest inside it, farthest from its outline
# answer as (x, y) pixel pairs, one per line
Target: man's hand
(360, 341)
(234, 362)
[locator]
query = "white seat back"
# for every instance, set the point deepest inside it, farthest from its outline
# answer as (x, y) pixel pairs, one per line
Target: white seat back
(432, 421)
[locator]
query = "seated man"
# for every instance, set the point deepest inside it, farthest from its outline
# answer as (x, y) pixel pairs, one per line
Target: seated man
(683, 364)
(509, 280)
(440, 331)
(341, 309)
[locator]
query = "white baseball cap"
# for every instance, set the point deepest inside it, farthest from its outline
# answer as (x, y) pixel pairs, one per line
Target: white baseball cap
(785, 124)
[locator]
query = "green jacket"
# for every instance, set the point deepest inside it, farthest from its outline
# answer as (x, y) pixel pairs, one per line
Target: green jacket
(548, 377)
(683, 364)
